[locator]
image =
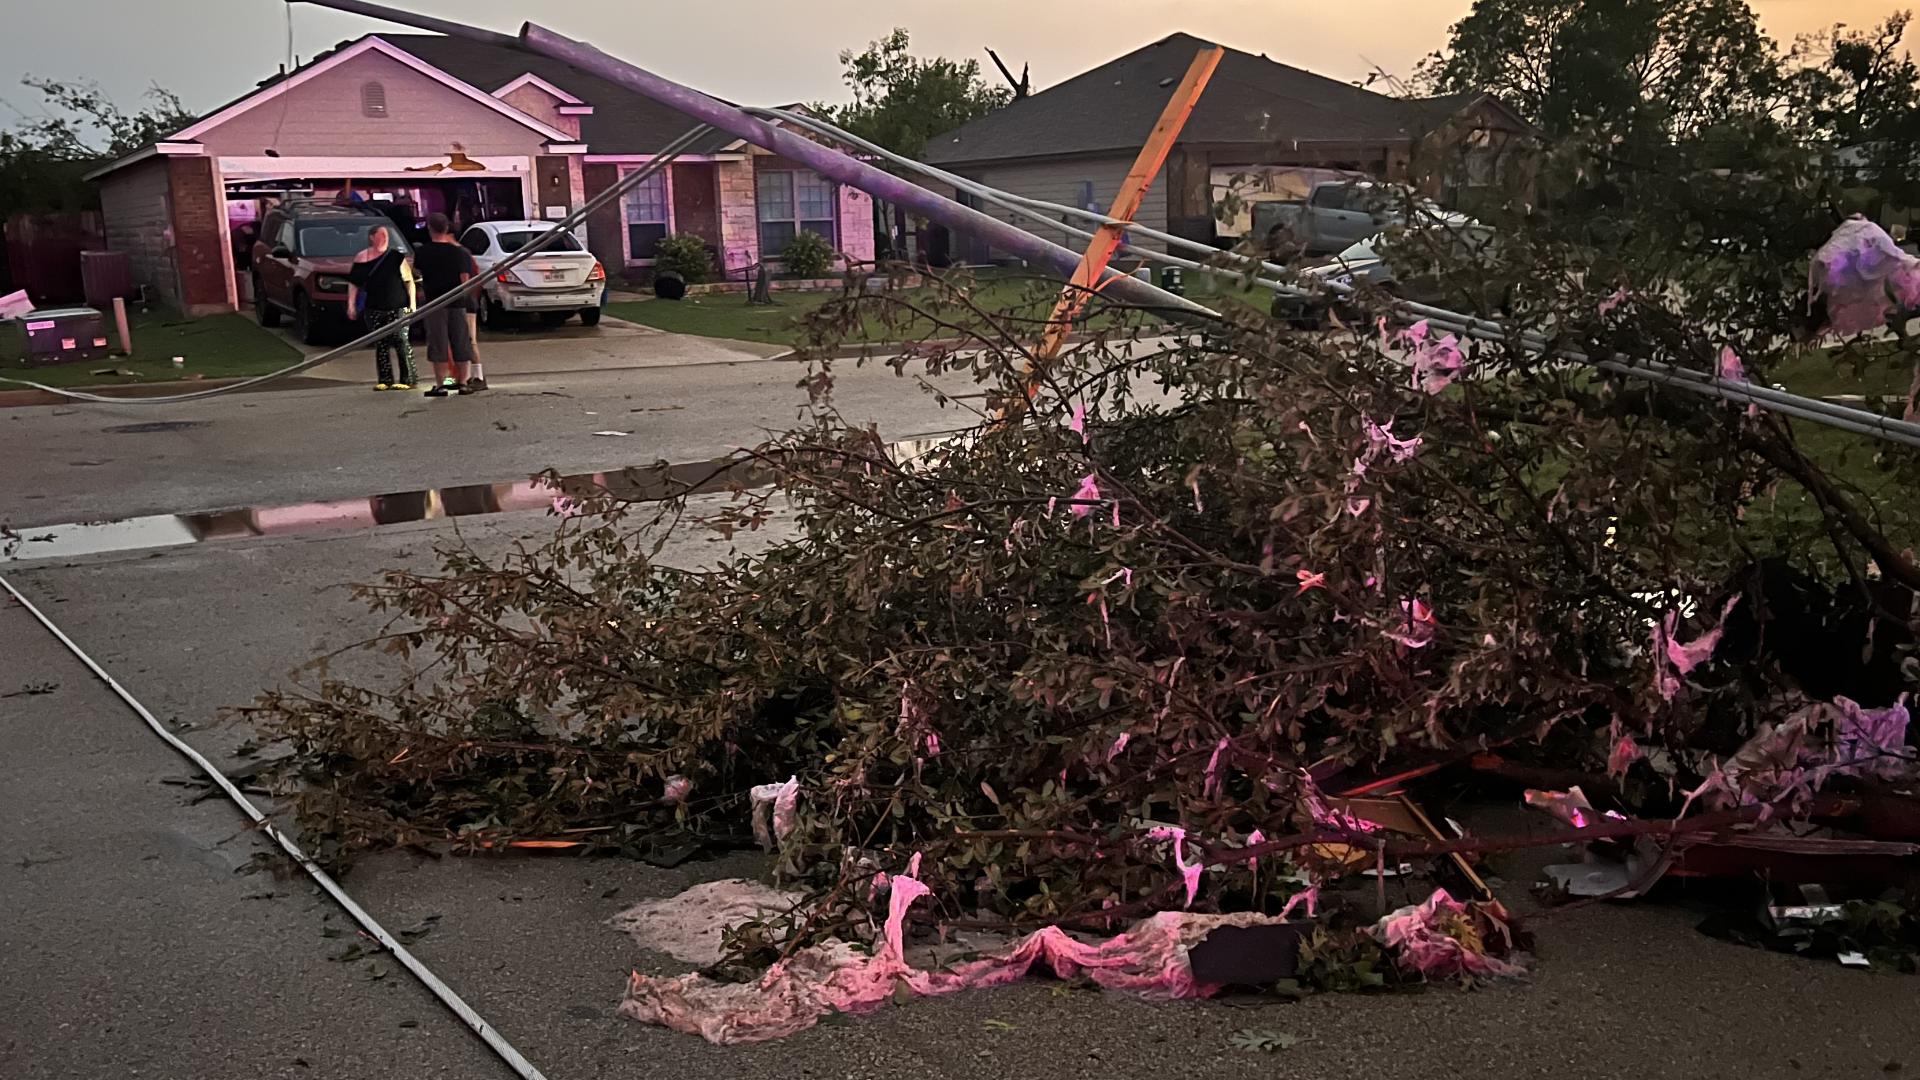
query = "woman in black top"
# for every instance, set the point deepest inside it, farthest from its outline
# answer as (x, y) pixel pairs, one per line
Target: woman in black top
(382, 282)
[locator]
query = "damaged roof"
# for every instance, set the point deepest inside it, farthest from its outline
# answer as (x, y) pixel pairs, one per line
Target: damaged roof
(1250, 99)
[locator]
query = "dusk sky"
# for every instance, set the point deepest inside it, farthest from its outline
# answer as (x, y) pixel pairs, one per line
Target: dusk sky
(757, 51)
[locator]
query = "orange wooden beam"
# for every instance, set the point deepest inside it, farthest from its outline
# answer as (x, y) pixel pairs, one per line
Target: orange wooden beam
(1133, 190)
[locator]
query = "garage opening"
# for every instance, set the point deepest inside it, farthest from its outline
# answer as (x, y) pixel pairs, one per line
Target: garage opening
(466, 200)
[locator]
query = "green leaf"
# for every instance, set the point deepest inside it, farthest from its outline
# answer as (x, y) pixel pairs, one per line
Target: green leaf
(1263, 1042)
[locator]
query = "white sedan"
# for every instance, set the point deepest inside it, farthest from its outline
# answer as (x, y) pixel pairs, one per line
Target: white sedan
(562, 279)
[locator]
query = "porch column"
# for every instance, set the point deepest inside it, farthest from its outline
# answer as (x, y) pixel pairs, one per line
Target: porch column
(200, 244)
(739, 215)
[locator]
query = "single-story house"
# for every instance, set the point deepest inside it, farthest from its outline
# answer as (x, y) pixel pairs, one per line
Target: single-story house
(1074, 142)
(476, 131)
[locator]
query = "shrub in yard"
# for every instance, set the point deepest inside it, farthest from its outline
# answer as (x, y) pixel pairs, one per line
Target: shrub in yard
(684, 255)
(807, 255)
(1090, 661)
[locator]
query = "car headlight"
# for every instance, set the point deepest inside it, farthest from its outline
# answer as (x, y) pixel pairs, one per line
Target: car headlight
(1343, 279)
(329, 283)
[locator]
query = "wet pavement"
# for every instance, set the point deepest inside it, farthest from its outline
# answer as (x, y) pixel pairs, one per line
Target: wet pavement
(111, 462)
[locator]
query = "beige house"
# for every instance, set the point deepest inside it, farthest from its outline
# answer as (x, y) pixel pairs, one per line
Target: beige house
(1074, 142)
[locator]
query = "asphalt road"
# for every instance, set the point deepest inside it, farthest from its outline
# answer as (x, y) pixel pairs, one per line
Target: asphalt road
(133, 946)
(89, 462)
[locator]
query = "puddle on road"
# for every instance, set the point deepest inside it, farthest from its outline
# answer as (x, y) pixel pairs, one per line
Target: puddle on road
(155, 531)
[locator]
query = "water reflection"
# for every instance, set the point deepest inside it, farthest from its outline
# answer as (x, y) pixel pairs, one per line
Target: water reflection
(174, 530)
(639, 484)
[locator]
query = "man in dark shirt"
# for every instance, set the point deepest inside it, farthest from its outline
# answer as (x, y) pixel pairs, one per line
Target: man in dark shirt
(444, 266)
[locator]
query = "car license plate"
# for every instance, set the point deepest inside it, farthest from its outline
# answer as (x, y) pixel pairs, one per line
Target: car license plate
(556, 275)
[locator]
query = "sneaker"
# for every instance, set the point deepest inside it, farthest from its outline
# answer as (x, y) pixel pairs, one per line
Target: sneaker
(381, 386)
(437, 391)
(476, 384)
(402, 386)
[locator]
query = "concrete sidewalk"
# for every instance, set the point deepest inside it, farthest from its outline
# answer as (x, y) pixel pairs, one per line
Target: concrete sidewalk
(613, 345)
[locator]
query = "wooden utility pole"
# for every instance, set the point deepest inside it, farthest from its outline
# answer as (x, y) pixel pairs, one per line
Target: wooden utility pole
(1107, 239)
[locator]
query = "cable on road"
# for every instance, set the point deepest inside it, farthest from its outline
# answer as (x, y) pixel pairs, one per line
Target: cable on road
(472, 285)
(497, 1042)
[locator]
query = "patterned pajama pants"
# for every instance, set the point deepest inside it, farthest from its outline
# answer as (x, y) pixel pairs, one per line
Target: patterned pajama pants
(384, 347)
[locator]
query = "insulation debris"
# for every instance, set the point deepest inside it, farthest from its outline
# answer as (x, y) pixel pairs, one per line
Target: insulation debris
(1152, 959)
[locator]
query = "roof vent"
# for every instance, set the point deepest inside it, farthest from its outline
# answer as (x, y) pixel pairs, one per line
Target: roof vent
(373, 99)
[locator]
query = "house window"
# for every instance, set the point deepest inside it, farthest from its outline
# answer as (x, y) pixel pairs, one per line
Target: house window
(645, 206)
(792, 202)
(373, 99)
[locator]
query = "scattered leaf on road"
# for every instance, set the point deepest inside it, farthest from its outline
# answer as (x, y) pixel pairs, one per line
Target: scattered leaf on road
(1263, 1042)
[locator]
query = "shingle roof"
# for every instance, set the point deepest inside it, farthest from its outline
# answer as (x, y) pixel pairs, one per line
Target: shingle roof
(622, 122)
(1111, 108)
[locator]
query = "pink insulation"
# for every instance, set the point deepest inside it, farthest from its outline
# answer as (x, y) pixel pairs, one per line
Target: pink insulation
(1864, 276)
(1150, 960)
(1444, 938)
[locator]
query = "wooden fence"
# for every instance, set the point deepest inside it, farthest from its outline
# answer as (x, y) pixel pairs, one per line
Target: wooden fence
(43, 254)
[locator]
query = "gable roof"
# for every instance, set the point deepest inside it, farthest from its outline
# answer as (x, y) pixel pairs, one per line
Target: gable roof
(1111, 108)
(629, 124)
(538, 83)
(373, 43)
(622, 122)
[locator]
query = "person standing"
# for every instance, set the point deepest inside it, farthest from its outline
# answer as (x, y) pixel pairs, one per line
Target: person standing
(445, 266)
(478, 381)
(381, 284)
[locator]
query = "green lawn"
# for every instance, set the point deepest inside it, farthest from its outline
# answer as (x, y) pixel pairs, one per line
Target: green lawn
(1868, 371)
(215, 347)
(728, 315)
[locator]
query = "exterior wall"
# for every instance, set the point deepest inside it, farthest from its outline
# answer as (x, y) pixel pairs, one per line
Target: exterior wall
(201, 247)
(322, 117)
(543, 107)
(739, 215)
(1062, 182)
(134, 203)
(1477, 155)
(577, 192)
(856, 225)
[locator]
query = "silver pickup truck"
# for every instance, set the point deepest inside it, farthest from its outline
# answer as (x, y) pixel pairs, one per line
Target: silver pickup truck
(1337, 214)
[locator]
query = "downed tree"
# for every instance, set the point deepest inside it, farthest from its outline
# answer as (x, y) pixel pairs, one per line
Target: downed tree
(1090, 663)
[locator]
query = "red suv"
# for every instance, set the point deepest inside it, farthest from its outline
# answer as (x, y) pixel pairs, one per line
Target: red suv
(301, 261)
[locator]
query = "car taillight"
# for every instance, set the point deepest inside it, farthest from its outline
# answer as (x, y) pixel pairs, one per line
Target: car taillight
(502, 278)
(599, 272)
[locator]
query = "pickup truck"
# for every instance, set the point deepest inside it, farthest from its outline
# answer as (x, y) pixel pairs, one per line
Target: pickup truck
(1338, 214)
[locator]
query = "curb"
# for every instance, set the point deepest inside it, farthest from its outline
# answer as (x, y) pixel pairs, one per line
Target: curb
(892, 348)
(25, 398)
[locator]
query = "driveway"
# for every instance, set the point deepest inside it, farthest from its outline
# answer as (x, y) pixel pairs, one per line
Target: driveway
(613, 345)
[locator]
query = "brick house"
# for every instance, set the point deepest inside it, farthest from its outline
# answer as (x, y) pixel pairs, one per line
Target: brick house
(1074, 142)
(472, 130)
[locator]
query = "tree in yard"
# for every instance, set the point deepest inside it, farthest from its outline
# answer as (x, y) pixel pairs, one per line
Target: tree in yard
(1859, 91)
(83, 123)
(901, 100)
(1670, 67)
(44, 157)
